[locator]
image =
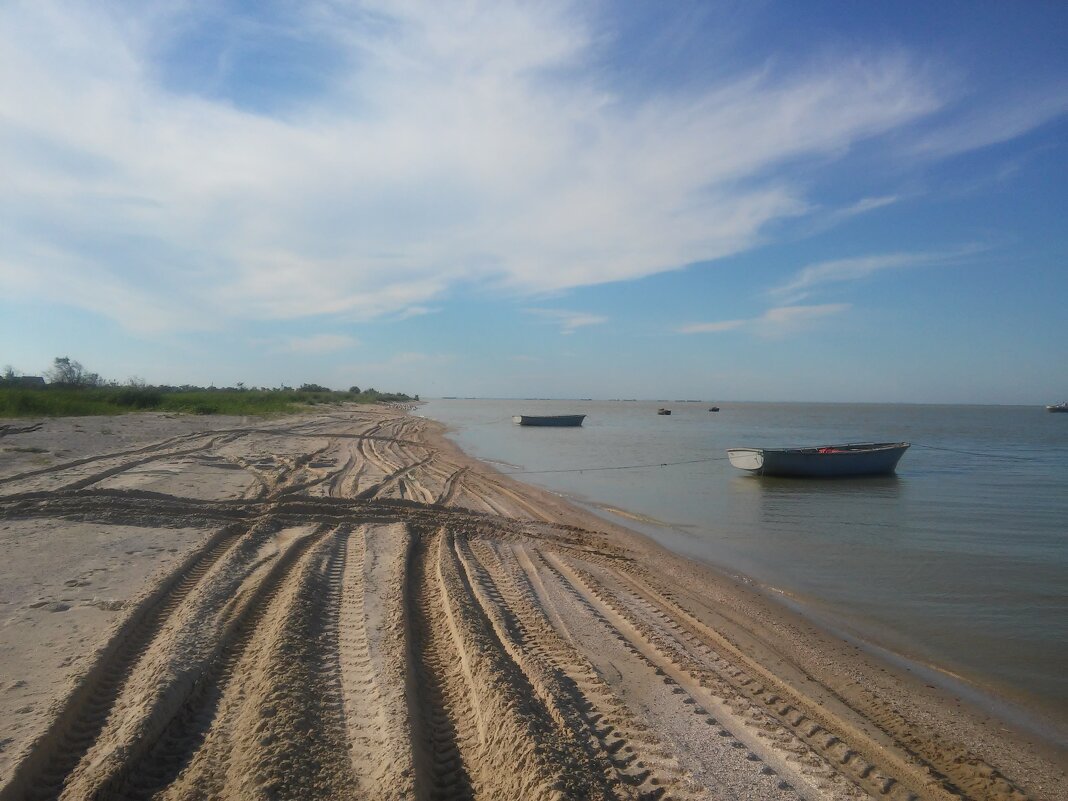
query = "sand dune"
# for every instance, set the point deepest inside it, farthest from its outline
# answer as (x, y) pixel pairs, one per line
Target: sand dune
(344, 606)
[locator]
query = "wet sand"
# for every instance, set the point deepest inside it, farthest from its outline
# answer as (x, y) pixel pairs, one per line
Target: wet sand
(343, 605)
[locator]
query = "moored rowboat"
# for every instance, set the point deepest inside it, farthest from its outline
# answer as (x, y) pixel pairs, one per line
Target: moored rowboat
(560, 420)
(828, 461)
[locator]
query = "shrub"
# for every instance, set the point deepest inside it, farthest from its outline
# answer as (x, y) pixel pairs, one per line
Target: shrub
(138, 398)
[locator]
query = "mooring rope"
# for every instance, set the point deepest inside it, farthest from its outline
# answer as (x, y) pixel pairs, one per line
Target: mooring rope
(599, 468)
(977, 453)
(618, 467)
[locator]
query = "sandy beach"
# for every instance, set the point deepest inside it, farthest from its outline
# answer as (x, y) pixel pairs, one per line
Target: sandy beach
(343, 605)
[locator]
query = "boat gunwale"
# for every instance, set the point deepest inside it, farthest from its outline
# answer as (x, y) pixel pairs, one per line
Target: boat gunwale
(840, 450)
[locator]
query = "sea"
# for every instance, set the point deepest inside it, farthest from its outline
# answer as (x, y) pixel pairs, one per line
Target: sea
(957, 566)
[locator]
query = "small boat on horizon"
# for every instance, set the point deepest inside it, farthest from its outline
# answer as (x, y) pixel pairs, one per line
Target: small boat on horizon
(547, 420)
(827, 461)
(1058, 407)
(713, 408)
(663, 411)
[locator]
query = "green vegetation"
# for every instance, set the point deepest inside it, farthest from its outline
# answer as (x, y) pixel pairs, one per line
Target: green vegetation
(71, 391)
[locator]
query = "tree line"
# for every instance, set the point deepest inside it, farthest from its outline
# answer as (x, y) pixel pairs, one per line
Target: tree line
(68, 388)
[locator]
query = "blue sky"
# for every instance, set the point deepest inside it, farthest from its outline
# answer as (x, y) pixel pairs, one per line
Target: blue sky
(729, 201)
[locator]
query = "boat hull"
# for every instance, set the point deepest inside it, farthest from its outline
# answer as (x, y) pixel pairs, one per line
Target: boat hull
(554, 420)
(831, 461)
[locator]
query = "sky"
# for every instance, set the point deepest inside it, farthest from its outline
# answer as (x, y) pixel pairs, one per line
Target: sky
(827, 201)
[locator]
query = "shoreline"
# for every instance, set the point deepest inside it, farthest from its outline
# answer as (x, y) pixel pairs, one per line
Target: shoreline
(1038, 707)
(1027, 721)
(1026, 713)
(536, 590)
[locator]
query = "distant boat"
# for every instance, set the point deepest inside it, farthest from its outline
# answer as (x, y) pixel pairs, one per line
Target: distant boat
(713, 408)
(558, 420)
(828, 461)
(1058, 407)
(663, 411)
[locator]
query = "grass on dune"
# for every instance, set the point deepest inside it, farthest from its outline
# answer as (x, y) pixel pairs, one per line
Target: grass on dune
(59, 401)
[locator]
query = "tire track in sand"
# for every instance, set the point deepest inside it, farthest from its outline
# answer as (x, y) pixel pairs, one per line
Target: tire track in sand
(397, 645)
(479, 705)
(55, 754)
(633, 761)
(158, 760)
(439, 718)
(285, 683)
(810, 776)
(889, 766)
(371, 661)
(155, 446)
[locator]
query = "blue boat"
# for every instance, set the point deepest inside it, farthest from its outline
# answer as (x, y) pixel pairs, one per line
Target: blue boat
(826, 461)
(557, 420)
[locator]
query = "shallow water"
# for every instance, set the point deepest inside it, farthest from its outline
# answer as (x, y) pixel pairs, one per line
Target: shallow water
(959, 561)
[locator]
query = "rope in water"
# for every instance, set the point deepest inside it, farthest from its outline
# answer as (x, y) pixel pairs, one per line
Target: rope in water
(977, 453)
(619, 467)
(724, 458)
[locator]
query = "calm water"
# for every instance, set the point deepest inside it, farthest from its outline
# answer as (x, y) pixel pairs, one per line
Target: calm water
(959, 561)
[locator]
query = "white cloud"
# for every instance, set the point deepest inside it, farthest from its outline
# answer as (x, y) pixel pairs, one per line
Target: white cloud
(447, 145)
(774, 322)
(569, 321)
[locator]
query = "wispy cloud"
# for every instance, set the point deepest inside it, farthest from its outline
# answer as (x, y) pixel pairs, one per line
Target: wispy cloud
(320, 343)
(434, 145)
(391, 367)
(862, 206)
(775, 322)
(784, 318)
(854, 269)
(437, 145)
(867, 204)
(415, 311)
(711, 328)
(994, 122)
(569, 321)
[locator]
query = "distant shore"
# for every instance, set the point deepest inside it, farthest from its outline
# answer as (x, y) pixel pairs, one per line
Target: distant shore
(344, 605)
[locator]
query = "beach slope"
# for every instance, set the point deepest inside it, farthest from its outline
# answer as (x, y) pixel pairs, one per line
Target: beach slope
(343, 605)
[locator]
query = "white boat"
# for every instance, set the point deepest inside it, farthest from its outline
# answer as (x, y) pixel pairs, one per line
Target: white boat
(1058, 407)
(827, 461)
(558, 420)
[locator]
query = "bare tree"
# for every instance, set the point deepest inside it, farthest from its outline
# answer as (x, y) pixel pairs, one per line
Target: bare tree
(70, 373)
